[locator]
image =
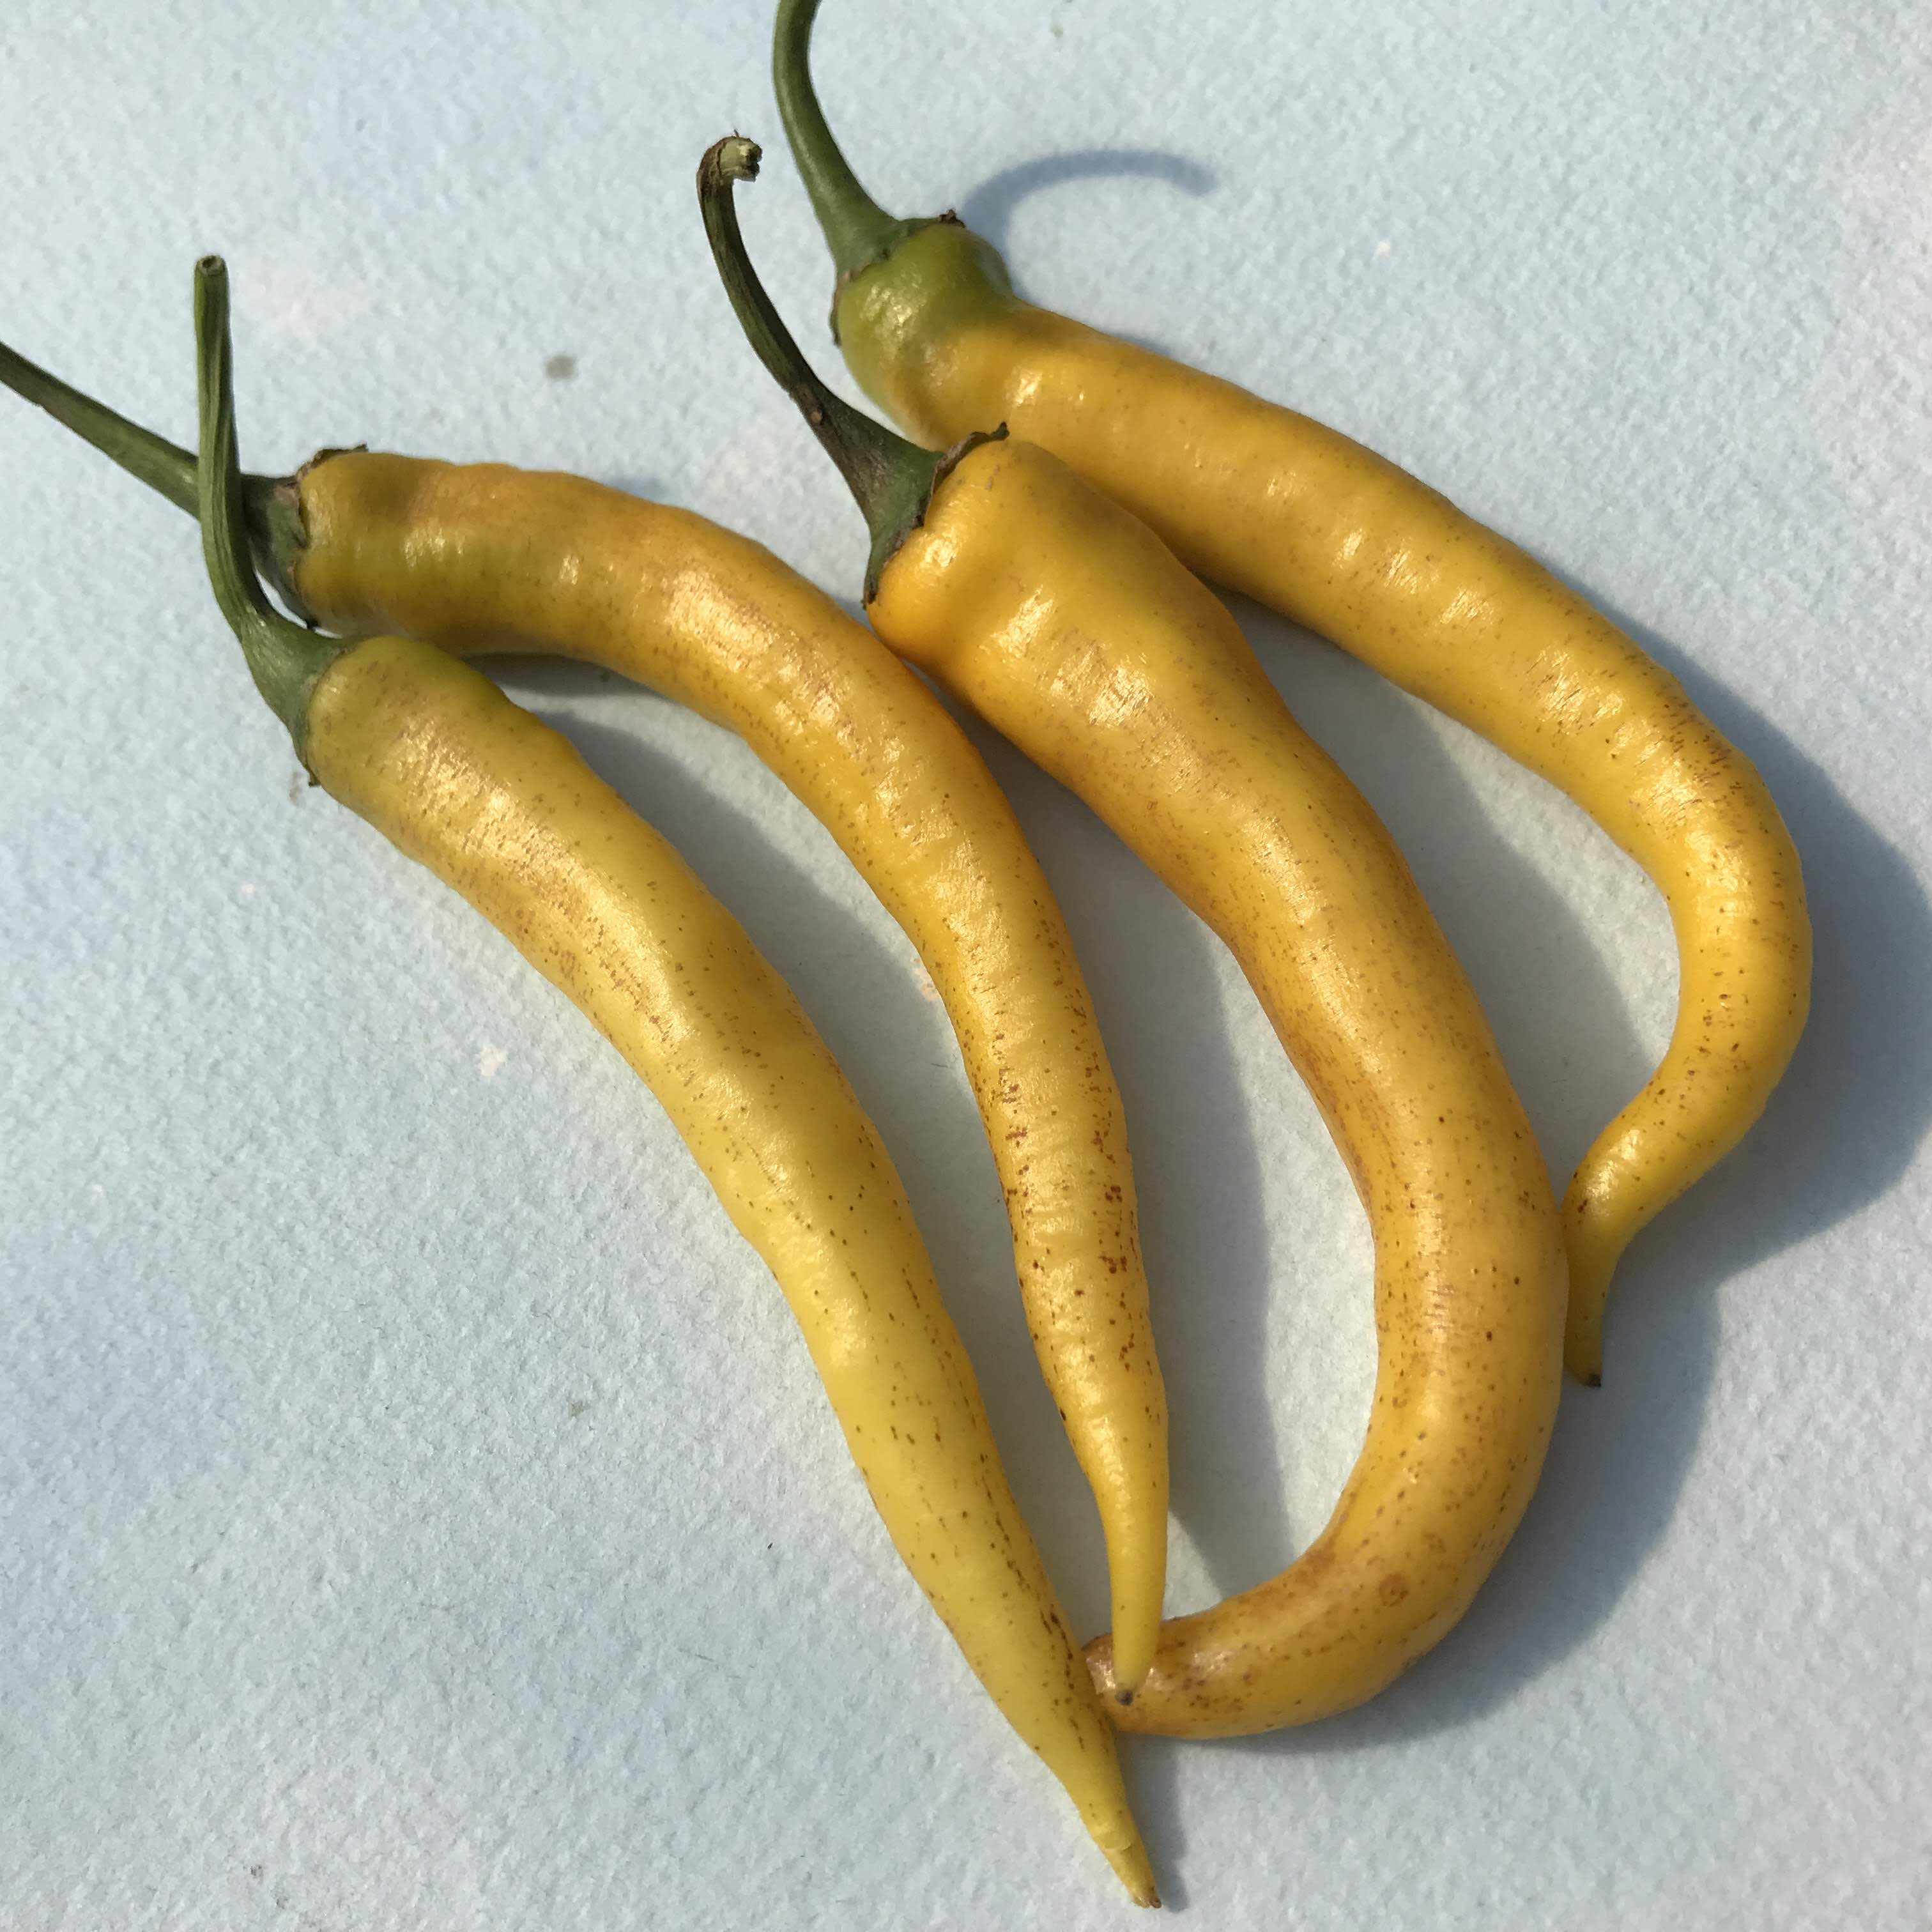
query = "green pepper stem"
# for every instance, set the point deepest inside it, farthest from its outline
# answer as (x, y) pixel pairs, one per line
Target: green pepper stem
(858, 231)
(890, 479)
(284, 659)
(274, 514)
(163, 466)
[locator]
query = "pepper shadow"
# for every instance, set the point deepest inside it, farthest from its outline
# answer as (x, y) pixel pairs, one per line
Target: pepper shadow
(898, 1052)
(989, 210)
(1842, 1127)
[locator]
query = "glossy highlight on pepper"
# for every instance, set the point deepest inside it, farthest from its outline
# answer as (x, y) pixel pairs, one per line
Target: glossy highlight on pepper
(503, 809)
(1064, 622)
(1313, 525)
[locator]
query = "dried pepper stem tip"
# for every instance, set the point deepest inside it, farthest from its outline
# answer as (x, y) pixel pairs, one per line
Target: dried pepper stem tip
(284, 659)
(891, 480)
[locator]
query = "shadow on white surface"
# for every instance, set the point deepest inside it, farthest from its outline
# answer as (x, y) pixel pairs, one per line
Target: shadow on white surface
(989, 210)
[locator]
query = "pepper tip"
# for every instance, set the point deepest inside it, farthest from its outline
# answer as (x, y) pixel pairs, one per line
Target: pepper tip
(1130, 1865)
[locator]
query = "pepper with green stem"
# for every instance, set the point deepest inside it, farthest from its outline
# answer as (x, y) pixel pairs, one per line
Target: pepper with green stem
(1066, 624)
(1303, 519)
(503, 809)
(477, 557)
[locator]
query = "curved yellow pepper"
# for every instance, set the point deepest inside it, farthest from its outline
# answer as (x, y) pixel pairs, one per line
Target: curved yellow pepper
(1342, 542)
(503, 809)
(478, 558)
(481, 558)
(1064, 621)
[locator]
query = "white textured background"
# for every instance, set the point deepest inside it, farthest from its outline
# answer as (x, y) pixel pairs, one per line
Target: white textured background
(416, 1509)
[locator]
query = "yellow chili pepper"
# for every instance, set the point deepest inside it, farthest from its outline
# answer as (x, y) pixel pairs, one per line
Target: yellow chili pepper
(504, 810)
(1066, 623)
(480, 558)
(1345, 543)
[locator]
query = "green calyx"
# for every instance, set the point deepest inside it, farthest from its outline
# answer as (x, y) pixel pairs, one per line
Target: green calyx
(941, 275)
(284, 659)
(858, 231)
(271, 506)
(891, 480)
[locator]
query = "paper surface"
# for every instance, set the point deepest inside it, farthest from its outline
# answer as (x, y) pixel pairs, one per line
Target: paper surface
(416, 1508)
